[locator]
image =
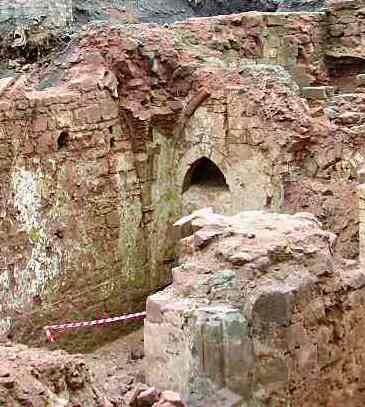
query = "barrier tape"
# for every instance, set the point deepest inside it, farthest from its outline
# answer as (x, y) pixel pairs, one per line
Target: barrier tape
(82, 324)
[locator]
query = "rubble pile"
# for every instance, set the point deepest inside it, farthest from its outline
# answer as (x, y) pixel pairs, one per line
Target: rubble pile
(39, 378)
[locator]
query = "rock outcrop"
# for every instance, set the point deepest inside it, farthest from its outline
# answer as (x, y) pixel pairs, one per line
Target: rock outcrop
(259, 307)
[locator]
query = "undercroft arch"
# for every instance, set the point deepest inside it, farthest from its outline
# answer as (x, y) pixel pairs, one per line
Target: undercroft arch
(205, 185)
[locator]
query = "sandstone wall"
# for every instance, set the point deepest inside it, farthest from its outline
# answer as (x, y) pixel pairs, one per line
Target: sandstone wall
(293, 40)
(75, 225)
(92, 176)
(328, 172)
(346, 29)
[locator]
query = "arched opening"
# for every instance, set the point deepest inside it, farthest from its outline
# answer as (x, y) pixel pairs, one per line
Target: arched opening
(205, 186)
(204, 173)
(63, 140)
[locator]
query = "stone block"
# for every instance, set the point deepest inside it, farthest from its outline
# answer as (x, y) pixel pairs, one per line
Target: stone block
(337, 30)
(109, 110)
(274, 307)
(64, 119)
(317, 92)
(360, 79)
(213, 358)
(5, 83)
(40, 124)
(154, 309)
(89, 114)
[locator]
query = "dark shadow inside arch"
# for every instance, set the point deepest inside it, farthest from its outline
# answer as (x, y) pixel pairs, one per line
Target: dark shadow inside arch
(204, 172)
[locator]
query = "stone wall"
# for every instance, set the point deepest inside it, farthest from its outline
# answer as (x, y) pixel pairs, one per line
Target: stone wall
(74, 218)
(260, 307)
(96, 149)
(329, 173)
(294, 40)
(92, 175)
(346, 29)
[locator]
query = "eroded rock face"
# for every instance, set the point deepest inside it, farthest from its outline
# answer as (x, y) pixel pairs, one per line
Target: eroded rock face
(259, 305)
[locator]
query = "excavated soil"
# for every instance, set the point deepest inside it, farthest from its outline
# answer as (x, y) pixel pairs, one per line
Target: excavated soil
(118, 367)
(38, 378)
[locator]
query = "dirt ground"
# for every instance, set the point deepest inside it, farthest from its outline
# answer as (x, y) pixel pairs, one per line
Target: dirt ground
(118, 367)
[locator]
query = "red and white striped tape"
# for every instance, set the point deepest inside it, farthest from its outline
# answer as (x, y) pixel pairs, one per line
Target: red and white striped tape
(82, 324)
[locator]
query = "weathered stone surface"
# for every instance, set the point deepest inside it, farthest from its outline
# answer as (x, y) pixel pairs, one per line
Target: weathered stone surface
(346, 23)
(266, 298)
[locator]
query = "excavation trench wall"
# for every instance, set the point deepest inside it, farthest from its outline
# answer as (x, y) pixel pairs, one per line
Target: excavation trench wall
(92, 167)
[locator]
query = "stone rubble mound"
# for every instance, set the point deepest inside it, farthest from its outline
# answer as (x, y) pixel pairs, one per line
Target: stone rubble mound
(39, 378)
(145, 396)
(36, 377)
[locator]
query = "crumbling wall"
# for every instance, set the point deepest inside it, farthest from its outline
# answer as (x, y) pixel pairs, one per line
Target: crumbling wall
(293, 40)
(328, 170)
(67, 191)
(260, 307)
(89, 176)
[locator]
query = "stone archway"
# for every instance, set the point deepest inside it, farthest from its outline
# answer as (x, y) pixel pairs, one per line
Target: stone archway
(204, 186)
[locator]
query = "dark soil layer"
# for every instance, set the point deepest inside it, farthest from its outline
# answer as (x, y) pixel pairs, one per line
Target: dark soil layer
(169, 11)
(301, 5)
